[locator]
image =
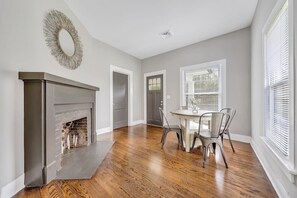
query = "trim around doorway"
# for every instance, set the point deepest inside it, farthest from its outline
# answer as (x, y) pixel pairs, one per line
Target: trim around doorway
(130, 93)
(163, 72)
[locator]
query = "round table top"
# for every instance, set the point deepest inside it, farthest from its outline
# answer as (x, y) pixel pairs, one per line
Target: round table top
(189, 113)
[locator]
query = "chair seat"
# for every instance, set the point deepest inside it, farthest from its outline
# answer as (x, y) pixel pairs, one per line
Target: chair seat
(205, 134)
(171, 126)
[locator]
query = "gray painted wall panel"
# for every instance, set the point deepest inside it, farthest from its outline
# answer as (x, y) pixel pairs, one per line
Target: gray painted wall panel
(235, 48)
(34, 165)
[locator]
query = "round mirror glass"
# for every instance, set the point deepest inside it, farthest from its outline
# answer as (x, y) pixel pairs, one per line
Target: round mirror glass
(66, 42)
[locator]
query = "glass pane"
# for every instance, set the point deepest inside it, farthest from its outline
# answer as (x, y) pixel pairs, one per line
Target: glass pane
(150, 87)
(208, 102)
(158, 87)
(158, 80)
(150, 81)
(154, 81)
(204, 80)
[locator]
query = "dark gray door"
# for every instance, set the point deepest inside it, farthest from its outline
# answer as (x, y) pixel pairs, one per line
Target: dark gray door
(154, 94)
(120, 100)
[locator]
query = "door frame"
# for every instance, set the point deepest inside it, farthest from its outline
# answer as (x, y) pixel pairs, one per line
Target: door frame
(129, 73)
(161, 72)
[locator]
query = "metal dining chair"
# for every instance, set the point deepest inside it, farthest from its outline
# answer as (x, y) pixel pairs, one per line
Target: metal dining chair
(231, 112)
(211, 135)
(170, 128)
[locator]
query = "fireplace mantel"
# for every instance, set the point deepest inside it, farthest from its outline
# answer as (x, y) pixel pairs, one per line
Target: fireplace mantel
(29, 76)
(46, 95)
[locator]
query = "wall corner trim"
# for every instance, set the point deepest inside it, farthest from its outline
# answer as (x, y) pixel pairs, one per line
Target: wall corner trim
(281, 192)
(13, 187)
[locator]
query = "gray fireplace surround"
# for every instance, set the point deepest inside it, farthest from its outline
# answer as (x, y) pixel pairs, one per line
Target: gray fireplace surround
(46, 97)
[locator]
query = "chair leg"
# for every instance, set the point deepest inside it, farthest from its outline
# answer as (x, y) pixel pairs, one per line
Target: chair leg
(223, 154)
(230, 142)
(163, 132)
(164, 139)
(204, 156)
(193, 144)
(177, 135)
(214, 148)
(181, 139)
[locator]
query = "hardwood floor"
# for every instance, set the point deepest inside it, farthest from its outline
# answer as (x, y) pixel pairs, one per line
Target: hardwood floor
(136, 166)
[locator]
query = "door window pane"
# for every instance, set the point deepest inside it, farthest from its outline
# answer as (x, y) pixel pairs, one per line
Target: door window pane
(155, 84)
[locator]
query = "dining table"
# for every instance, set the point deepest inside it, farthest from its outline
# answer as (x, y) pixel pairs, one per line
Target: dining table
(189, 124)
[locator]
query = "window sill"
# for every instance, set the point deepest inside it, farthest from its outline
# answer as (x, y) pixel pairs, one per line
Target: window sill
(285, 165)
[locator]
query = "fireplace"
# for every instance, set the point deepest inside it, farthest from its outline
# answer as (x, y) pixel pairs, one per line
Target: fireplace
(73, 134)
(59, 118)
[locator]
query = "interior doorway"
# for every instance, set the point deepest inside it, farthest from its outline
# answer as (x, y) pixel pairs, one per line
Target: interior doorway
(154, 99)
(127, 102)
(120, 100)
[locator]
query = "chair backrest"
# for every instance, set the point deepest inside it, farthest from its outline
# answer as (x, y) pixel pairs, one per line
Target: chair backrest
(231, 112)
(163, 117)
(215, 121)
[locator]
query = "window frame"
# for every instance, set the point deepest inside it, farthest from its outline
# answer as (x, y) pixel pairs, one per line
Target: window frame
(282, 160)
(222, 81)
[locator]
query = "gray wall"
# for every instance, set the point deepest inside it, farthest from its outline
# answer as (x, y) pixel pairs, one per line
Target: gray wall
(272, 165)
(235, 48)
(23, 48)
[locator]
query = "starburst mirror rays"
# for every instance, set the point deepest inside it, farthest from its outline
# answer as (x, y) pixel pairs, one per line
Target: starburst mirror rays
(63, 40)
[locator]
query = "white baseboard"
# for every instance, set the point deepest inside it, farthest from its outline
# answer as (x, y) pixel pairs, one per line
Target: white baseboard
(239, 138)
(13, 187)
(103, 130)
(137, 122)
(278, 187)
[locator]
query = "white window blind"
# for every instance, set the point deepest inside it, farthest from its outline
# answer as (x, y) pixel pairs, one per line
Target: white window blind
(277, 82)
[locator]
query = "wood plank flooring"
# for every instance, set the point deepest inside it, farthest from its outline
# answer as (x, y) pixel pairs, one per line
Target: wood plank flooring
(136, 166)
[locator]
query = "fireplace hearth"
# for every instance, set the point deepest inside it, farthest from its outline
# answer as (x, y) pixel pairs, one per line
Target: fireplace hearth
(59, 116)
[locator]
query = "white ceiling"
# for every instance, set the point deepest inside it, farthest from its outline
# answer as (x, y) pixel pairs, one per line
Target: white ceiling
(134, 26)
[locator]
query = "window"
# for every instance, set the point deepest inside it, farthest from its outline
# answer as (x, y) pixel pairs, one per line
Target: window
(278, 83)
(154, 84)
(204, 82)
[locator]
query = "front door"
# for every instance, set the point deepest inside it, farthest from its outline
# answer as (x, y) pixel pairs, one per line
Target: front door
(154, 87)
(120, 100)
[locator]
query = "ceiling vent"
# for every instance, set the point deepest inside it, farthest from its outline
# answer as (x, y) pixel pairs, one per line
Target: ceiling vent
(167, 34)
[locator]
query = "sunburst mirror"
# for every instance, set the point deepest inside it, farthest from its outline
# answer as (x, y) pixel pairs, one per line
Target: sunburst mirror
(63, 40)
